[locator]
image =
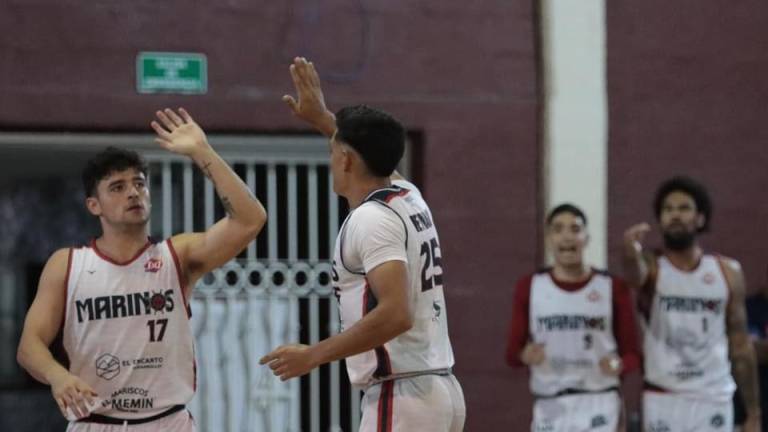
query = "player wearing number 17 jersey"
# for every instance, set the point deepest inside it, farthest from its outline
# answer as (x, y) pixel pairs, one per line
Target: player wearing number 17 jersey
(387, 276)
(122, 301)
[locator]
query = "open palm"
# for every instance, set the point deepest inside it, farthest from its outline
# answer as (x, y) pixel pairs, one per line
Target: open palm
(178, 133)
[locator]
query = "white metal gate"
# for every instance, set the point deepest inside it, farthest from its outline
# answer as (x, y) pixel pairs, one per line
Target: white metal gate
(278, 291)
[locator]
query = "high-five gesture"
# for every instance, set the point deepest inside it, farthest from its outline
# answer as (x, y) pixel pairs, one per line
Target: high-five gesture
(311, 104)
(179, 133)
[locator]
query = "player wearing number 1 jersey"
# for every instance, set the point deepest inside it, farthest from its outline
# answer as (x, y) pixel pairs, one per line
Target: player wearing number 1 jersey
(574, 327)
(122, 301)
(696, 344)
(387, 276)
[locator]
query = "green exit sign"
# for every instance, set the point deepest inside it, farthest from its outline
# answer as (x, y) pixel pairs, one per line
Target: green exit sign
(166, 72)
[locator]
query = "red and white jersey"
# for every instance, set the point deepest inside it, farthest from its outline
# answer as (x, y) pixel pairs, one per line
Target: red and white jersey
(686, 344)
(393, 224)
(576, 329)
(127, 330)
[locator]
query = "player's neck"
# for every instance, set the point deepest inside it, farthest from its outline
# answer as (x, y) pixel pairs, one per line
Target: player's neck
(360, 189)
(122, 245)
(686, 259)
(571, 273)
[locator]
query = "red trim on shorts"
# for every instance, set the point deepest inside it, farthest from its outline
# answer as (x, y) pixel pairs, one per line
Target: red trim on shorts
(182, 279)
(110, 260)
(386, 402)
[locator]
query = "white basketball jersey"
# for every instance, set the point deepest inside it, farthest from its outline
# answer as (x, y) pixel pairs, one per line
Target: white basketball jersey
(401, 225)
(127, 330)
(685, 342)
(576, 328)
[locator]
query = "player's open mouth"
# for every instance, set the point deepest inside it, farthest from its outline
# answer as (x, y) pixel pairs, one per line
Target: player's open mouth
(567, 249)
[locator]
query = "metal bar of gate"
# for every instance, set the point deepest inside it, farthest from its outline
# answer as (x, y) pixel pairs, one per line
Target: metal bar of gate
(333, 312)
(293, 301)
(314, 314)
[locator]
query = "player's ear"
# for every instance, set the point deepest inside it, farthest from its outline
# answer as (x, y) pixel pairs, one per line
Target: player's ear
(347, 159)
(700, 221)
(93, 205)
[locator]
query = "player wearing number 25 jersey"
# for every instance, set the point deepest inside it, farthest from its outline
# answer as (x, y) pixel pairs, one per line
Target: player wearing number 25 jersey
(387, 275)
(394, 224)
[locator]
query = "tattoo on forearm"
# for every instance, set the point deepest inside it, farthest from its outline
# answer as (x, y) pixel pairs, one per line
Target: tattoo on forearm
(205, 167)
(744, 370)
(227, 204)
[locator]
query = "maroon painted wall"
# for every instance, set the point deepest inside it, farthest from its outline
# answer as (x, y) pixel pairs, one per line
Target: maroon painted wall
(461, 73)
(688, 94)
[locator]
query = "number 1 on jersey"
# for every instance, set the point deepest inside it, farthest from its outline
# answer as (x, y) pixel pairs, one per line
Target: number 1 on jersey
(162, 323)
(431, 250)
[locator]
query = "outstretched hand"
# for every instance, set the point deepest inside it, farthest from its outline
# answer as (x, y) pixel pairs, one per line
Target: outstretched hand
(179, 133)
(290, 361)
(310, 106)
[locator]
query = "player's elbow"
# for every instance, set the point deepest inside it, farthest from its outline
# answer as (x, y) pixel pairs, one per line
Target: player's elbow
(401, 323)
(253, 226)
(22, 353)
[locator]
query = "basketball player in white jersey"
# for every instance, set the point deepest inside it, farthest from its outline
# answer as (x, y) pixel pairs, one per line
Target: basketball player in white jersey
(696, 345)
(387, 277)
(574, 327)
(123, 301)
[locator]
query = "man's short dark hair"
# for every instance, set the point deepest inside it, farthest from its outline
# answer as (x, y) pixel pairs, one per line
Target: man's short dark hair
(377, 136)
(690, 187)
(566, 208)
(104, 163)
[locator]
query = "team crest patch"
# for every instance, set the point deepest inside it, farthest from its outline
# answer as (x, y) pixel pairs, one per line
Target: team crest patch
(717, 421)
(708, 279)
(153, 265)
(594, 296)
(158, 302)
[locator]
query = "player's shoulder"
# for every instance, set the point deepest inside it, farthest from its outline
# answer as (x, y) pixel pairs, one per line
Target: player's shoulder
(370, 211)
(527, 278)
(728, 263)
(60, 256)
(602, 272)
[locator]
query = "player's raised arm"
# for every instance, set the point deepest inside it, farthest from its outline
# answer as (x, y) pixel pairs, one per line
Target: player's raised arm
(636, 265)
(42, 324)
(310, 105)
(199, 253)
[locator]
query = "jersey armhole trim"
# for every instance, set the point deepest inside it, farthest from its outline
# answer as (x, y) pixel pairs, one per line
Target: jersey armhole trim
(721, 264)
(181, 278)
(66, 289)
(342, 235)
